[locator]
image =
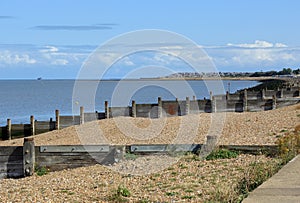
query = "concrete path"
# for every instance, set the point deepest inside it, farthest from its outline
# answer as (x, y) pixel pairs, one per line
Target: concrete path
(284, 186)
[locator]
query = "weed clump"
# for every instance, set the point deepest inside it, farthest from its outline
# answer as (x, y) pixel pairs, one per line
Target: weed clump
(222, 154)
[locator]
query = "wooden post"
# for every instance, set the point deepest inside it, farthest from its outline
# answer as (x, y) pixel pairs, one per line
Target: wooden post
(133, 109)
(210, 95)
(32, 125)
(263, 94)
(281, 93)
(81, 115)
(211, 141)
(209, 146)
(159, 108)
(227, 95)
(8, 129)
(274, 103)
(213, 104)
(106, 109)
(187, 106)
(176, 99)
(57, 123)
(120, 151)
(245, 101)
(28, 156)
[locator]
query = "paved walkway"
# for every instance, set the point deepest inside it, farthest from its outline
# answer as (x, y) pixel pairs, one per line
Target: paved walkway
(284, 186)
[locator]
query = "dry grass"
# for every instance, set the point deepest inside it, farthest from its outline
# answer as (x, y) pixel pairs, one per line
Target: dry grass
(297, 128)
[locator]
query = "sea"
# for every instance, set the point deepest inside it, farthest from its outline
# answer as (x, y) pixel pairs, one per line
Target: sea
(19, 99)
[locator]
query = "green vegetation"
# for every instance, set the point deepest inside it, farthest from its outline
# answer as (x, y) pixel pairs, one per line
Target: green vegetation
(130, 156)
(171, 193)
(255, 175)
(289, 145)
(67, 192)
(41, 170)
(222, 154)
(144, 201)
(120, 194)
(123, 191)
(284, 71)
(187, 197)
(270, 84)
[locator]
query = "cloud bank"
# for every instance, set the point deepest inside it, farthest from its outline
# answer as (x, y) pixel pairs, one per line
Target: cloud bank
(258, 44)
(260, 55)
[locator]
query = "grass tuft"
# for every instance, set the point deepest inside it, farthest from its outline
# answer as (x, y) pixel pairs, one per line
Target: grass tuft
(222, 154)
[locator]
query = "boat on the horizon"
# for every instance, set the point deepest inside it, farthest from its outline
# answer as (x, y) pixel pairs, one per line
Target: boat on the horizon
(39, 78)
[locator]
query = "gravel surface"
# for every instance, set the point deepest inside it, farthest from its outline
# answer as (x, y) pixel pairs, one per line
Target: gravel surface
(165, 179)
(247, 128)
(189, 180)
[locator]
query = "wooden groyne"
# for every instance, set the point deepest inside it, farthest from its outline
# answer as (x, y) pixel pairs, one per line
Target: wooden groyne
(238, 102)
(21, 161)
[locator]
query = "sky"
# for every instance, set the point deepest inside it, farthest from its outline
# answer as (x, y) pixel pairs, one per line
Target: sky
(52, 39)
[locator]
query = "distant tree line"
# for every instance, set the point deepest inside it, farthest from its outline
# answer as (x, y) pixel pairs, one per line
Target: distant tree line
(284, 71)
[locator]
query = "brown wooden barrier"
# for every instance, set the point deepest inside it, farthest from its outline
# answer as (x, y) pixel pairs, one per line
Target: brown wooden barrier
(238, 102)
(20, 161)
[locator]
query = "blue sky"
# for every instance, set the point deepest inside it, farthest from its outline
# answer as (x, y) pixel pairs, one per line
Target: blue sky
(51, 39)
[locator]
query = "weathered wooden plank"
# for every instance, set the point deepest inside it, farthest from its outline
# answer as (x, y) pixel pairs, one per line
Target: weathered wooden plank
(93, 154)
(105, 158)
(119, 111)
(84, 158)
(165, 148)
(17, 127)
(252, 148)
(148, 148)
(44, 125)
(4, 159)
(11, 150)
(75, 148)
(12, 174)
(10, 167)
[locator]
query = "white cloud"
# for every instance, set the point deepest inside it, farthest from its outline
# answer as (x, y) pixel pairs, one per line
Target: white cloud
(258, 44)
(251, 59)
(60, 62)
(53, 55)
(50, 49)
(280, 45)
(10, 58)
(128, 62)
(235, 57)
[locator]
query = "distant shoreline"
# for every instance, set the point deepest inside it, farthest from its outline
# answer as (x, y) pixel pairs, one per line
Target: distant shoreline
(158, 79)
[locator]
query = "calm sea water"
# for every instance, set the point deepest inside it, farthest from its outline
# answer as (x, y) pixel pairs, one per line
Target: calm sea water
(21, 98)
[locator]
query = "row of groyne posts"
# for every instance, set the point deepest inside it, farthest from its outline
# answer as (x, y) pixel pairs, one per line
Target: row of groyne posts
(238, 102)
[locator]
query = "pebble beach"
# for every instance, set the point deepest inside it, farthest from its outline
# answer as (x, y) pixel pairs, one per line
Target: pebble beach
(247, 128)
(186, 180)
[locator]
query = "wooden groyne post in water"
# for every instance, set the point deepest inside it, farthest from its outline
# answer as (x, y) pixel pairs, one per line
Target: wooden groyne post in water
(8, 129)
(57, 121)
(245, 101)
(32, 125)
(81, 115)
(133, 109)
(159, 108)
(187, 106)
(106, 107)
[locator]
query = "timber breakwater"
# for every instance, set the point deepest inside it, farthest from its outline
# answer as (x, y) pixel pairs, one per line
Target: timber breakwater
(251, 100)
